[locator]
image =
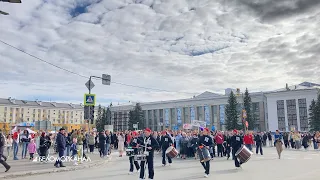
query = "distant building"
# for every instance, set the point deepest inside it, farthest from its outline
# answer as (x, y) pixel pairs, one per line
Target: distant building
(284, 109)
(29, 113)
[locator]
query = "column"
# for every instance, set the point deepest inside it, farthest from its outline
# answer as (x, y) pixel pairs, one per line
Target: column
(298, 114)
(158, 119)
(286, 115)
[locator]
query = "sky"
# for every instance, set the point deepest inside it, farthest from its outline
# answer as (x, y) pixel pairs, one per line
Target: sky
(176, 48)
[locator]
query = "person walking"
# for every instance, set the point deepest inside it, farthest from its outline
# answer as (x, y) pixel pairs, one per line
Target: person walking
(9, 142)
(61, 146)
(278, 143)
(3, 159)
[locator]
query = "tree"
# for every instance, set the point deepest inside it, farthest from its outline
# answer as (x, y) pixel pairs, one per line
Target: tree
(314, 115)
(232, 113)
(99, 120)
(136, 116)
(108, 116)
(248, 106)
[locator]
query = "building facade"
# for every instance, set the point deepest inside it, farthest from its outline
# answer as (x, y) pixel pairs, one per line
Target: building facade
(284, 109)
(13, 112)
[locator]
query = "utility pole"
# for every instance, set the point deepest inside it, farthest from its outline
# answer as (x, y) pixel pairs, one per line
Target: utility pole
(90, 99)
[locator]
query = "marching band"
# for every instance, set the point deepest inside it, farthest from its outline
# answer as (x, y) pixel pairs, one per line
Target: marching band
(143, 148)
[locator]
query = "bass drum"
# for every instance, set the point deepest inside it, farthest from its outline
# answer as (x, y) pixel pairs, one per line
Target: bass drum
(204, 154)
(243, 154)
(171, 152)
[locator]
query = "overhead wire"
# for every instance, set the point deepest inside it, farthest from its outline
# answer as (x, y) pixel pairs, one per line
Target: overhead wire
(87, 77)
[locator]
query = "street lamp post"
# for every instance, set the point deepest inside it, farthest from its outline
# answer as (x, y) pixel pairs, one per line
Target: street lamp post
(106, 80)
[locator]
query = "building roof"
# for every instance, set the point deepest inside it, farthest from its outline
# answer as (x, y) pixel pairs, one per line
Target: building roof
(207, 94)
(11, 101)
(301, 86)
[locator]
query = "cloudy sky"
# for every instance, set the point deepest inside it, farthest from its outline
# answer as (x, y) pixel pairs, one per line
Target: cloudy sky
(180, 47)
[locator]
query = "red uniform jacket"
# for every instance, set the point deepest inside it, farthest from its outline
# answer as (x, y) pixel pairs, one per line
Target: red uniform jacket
(248, 139)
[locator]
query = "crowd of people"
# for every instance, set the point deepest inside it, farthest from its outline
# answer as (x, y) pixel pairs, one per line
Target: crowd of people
(78, 143)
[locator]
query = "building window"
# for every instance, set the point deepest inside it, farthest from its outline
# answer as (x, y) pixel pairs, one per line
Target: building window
(281, 115)
(303, 114)
(292, 114)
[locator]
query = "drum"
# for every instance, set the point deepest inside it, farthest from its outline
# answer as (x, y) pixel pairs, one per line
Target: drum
(171, 152)
(130, 152)
(140, 157)
(204, 154)
(243, 154)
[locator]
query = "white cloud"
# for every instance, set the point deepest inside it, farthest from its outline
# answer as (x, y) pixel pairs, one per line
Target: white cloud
(180, 46)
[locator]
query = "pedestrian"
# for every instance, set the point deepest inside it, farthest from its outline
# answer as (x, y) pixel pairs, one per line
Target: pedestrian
(91, 142)
(32, 148)
(74, 151)
(278, 143)
(121, 140)
(259, 140)
(3, 159)
(9, 142)
(25, 139)
(61, 146)
(16, 141)
(102, 144)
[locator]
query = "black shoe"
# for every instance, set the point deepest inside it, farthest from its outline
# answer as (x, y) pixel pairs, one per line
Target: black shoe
(56, 165)
(7, 169)
(5, 159)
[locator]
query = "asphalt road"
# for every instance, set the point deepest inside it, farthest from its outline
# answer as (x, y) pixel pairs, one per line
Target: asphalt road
(294, 165)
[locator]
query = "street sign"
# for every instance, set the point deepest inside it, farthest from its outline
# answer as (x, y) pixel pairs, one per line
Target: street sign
(89, 84)
(89, 99)
(187, 126)
(135, 126)
(106, 79)
(176, 128)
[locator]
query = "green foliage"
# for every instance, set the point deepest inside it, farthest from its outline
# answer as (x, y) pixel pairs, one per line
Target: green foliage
(248, 107)
(136, 116)
(99, 120)
(314, 115)
(232, 115)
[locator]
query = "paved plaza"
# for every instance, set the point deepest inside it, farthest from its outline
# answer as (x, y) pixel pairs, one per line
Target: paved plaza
(294, 165)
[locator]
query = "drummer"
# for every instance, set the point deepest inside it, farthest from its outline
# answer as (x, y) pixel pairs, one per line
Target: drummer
(134, 143)
(236, 143)
(166, 142)
(206, 141)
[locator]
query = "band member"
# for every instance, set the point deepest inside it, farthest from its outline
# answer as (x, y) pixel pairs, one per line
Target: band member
(278, 143)
(166, 141)
(134, 143)
(194, 144)
(150, 144)
(206, 141)
(236, 143)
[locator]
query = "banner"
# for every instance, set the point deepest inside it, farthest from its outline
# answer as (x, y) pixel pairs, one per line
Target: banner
(197, 123)
(222, 114)
(179, 121)
(187, 126)
(166, 117)
(207, 118)
(192, 114)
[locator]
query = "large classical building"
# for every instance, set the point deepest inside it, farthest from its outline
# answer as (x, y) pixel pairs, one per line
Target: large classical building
(284, 109)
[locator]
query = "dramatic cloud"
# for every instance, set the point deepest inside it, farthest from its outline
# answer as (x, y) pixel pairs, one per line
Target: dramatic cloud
(182, 46)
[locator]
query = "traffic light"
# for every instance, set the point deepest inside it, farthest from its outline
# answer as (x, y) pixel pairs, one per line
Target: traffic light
(86, 112)
(91, 114)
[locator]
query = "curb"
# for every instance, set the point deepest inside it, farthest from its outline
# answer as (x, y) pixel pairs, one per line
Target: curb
(54, 170)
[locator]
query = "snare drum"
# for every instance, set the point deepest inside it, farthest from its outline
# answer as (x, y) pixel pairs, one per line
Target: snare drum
(204, 154)
(243, 154)
(171, 152)
(140, 157)
(130, 152)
